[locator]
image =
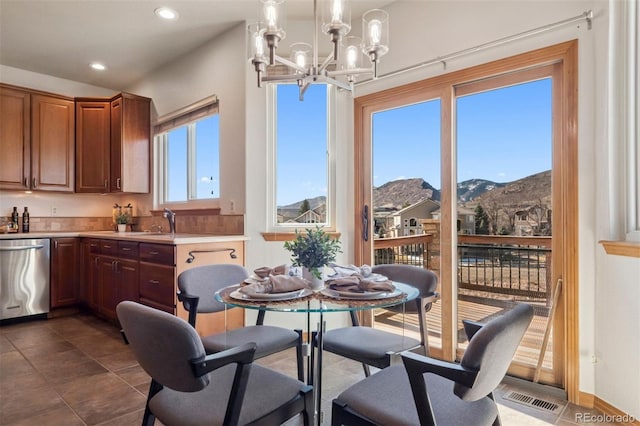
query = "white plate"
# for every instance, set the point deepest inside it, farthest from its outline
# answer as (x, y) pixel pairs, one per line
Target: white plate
(372, 277)
(337, 294)
(289, 295)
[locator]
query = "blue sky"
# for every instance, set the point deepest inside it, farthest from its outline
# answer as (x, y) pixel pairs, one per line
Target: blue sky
(503, 135)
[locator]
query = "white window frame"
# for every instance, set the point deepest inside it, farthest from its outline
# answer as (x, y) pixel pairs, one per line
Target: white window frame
(624, 131)
(272, 143)
(185, 117)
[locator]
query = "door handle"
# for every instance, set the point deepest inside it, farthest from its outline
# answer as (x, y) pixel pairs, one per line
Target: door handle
(365, 223)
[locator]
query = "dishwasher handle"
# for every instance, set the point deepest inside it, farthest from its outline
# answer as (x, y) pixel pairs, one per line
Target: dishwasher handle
(18, 248)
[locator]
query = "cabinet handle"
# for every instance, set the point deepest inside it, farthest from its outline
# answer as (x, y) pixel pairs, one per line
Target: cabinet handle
(34, 183)
(118, 183)
(26, 182)
(55, 244)
(154, 281)
(114, 265)
(95, 261)
(106, 185)
(126, 248)
(93, 245)
(154, 253)
(107, 247)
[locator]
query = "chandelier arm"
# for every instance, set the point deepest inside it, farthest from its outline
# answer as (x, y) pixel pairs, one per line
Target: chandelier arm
(292, 78)
(353, 71)
(325, 64)
(285, 61)
(302, 89)
(338, 83)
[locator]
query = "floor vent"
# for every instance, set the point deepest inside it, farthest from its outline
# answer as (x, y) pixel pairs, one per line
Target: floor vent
(532, 401)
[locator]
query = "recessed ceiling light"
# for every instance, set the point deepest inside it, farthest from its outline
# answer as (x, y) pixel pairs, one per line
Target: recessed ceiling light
(98, 66)
(166, 13)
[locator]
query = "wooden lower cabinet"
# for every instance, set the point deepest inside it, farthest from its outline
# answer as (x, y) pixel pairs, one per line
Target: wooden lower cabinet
(115, 270)
(64, 276)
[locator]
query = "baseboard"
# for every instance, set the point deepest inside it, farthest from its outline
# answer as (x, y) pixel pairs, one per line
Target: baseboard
(611, 414)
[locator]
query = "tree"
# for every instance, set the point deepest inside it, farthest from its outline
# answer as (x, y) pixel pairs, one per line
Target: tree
(481, 221)
(305, 206)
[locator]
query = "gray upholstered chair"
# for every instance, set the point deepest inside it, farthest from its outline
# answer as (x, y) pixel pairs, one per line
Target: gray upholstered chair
(375, 347)
(428, 391)
(197, 287)
(189, 387)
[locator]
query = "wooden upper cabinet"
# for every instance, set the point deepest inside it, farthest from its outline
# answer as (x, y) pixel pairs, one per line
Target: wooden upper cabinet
(15, 138)
(36, 140)
(93, 145)
(130, 143)
(52, 143)
(113, 140)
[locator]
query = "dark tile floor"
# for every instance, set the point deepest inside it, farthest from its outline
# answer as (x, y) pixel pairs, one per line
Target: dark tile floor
(77, 371)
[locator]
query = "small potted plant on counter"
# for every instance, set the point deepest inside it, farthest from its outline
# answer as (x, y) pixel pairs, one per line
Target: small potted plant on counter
(122, 219)
(313, 250)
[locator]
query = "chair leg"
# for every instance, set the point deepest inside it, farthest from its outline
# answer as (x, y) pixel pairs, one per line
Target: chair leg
(299, 357)
(313, 353)
(497, 421)
(149, 418)
(367, 371)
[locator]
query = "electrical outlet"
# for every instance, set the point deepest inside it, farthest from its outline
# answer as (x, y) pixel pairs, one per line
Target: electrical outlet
(594, 359)
(54, 211)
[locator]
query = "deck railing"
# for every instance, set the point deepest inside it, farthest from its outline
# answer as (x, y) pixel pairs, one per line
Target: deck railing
(411, 250)
(519, 266)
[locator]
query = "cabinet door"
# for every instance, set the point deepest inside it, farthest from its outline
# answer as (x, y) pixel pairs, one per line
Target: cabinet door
(15, 138)
(108, 287)
(127, 271)
(92, 146)
(64, 278)
(130, 143)
(52, 143)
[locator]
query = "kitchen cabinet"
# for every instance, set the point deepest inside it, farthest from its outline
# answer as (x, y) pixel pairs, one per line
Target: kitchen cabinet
(93, 145)
(110, 273)
(113, 139)
(37, 140)
(130, 143)
(64, 276)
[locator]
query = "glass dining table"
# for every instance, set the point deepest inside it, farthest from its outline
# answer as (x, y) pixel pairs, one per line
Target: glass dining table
(320, 303)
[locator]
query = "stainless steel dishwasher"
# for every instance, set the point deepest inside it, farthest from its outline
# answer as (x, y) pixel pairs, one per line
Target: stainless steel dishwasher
(24, 277)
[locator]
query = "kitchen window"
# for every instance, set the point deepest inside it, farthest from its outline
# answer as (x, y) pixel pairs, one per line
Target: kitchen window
(187, 153)
(300, 138)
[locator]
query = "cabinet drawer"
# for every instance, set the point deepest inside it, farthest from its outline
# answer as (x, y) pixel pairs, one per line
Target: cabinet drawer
(163, 254)
(109, 247)
(157, 283)
(169, 309)
(94, 246)
(128, 249)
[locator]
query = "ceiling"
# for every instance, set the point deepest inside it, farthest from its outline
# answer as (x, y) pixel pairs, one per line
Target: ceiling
(62, 37)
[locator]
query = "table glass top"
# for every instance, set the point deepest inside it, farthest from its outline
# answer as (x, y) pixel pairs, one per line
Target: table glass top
(320, 301)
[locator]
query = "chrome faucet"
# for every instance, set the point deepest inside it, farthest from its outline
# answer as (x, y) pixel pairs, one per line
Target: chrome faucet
(171, 217)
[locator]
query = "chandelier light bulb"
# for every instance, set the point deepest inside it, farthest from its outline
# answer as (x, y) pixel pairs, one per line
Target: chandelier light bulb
(271, 15)
(336, 11)
(375, 31)
(352, 56)
(301, 61)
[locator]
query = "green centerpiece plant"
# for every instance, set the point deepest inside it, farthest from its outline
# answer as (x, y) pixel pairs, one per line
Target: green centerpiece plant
(313, 249)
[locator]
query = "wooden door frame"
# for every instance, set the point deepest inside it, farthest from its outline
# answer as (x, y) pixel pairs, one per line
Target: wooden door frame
(565, 189)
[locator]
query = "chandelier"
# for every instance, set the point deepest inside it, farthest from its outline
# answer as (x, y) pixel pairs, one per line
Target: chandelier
(303, 67)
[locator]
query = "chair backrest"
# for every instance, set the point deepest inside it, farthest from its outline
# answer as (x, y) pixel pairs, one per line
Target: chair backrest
(424, 280)
(163, 344)
(491, 350)
(204, 281)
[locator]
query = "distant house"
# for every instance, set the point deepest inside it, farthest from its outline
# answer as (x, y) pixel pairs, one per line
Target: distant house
(466, 220)
(406, 222)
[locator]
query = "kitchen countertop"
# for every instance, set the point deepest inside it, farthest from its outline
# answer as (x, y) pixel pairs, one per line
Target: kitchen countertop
(143, 237)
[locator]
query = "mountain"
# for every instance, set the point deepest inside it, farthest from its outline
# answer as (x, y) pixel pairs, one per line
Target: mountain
(473, 188)
(525, 192)
(313, 203)
(403, 192)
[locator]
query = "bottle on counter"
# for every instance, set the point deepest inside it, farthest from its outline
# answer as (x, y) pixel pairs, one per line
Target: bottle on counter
(25, 220)
(15, 220)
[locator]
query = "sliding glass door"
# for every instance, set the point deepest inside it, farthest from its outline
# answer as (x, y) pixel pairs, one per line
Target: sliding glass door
(472, 175)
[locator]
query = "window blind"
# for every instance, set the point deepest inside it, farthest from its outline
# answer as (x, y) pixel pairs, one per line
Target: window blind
(203, 108)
